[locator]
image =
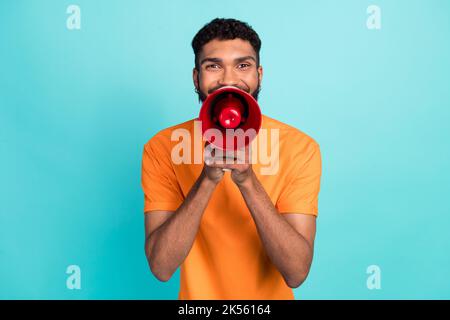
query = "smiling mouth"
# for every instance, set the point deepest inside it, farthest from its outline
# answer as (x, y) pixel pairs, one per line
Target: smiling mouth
(214, 89)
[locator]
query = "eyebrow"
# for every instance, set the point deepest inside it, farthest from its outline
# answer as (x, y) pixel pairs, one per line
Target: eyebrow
(237, 60)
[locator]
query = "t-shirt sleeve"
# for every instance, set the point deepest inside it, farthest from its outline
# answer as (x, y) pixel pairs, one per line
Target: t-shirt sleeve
(301, 193)
(159, 183)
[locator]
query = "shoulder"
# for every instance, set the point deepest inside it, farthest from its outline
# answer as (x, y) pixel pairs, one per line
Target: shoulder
(290, 136)
(162, 139)
(296, 149)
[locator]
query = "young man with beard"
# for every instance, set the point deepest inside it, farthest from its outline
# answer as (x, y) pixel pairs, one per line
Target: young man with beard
(237, 234)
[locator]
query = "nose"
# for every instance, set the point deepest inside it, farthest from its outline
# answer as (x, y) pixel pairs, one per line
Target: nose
(229, 78)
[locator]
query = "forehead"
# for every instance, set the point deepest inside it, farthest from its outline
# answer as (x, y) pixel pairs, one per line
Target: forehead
(227, 49)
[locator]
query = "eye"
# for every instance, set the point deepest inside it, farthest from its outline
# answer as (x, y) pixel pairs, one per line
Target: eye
(243, 66)
(212, 66)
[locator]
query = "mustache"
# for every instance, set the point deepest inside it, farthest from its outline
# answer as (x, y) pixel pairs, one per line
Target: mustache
(247, 89)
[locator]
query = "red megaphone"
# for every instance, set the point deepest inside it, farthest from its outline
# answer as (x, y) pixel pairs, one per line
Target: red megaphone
(233, 112)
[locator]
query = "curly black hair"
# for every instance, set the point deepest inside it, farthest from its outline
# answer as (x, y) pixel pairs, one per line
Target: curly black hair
(225, 29)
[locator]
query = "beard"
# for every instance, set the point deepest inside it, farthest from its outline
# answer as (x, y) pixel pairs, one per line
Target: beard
(202, 95)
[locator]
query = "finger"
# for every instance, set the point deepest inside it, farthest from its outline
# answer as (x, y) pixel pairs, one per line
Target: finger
(220, 165)
(229, 160)
(226, 167)
(243, 156)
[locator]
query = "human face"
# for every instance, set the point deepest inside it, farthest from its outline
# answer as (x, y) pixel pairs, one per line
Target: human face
(227, 63)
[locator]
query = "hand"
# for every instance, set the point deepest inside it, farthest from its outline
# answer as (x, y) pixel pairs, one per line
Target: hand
(212, 173)
(238, 162)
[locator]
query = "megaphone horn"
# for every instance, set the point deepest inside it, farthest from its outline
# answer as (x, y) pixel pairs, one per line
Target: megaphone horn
(230, 108)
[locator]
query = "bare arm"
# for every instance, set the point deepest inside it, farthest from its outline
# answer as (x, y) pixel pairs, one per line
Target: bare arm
(169, 237)
(288, 240)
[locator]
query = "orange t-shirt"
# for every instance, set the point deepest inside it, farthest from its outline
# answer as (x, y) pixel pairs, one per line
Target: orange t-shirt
(227, 259)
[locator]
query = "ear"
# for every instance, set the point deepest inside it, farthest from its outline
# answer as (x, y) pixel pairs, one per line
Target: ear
(195, 78)
(260, 73)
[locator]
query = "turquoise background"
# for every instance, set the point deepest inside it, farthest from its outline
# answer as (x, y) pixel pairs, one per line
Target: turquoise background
(77, 107)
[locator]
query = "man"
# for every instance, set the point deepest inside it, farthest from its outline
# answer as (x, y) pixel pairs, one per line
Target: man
(237, 234)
